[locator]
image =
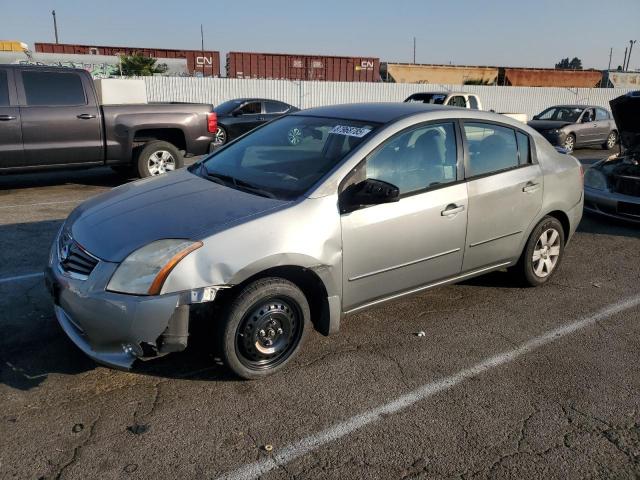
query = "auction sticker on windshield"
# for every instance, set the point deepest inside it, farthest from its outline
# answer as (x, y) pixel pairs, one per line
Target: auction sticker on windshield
(350, 131)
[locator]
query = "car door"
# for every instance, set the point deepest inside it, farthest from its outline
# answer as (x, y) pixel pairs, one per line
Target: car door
(585, 129)
(248, 116)
(392, 248)
(11, 149)
(603, 127)
(505, 188)
(61, 121)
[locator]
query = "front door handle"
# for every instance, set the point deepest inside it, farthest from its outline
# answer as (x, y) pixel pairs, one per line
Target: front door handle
(530, 187)
(86, 116)
(6, 118)
(452, 209)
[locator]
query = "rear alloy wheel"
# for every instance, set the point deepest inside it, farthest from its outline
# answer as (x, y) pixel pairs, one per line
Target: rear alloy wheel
(158, 157)
(543, 252)
(219, 137)
(264, 327)
(570, 143)
(612, 139)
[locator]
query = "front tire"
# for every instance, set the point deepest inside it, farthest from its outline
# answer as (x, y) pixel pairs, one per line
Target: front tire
(570, 143)
(264, 327)
(611, 141)
(158, 157)
(543, 253)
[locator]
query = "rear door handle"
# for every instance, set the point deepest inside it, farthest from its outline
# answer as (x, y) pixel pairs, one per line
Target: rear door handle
(6, 118)
(530, 187)
(452, 209)
(85, 116)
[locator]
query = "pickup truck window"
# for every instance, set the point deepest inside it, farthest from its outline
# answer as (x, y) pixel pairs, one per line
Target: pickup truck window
(4, 89)
(473, 102)
(458, 101)
(53, 88)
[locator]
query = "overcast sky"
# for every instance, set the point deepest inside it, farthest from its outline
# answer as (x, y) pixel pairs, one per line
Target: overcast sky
(472, 32)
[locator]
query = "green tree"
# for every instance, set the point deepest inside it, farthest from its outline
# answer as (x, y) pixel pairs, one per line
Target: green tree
(139, 65)
(574, 64)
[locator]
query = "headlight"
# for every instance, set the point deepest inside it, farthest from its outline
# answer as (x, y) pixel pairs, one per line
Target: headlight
(145, 270)
(595, 179)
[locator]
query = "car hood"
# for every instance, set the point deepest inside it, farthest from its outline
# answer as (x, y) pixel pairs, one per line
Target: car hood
(541, 125)
(626, 113)
(176, 205)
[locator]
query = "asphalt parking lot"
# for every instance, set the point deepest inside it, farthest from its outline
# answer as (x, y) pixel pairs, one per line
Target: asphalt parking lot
(505, 383)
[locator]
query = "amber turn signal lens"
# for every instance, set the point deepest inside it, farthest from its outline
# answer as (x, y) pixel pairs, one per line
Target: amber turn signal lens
(158, 282)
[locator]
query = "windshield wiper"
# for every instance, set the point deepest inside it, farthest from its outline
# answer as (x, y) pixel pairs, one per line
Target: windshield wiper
(228, 180)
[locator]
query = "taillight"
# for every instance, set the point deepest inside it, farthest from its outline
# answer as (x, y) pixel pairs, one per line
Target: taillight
(212, 122)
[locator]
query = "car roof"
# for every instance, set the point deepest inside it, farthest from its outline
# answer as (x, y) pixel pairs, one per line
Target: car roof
(382, 112)
(254, 99)
(575, 106)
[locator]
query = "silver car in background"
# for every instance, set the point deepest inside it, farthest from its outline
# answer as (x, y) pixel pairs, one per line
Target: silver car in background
(316, 215)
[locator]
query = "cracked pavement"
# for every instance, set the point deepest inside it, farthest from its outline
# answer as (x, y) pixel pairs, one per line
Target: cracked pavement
(570, 409)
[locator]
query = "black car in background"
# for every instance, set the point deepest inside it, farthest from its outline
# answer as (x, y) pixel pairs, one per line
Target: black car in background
(236, 117)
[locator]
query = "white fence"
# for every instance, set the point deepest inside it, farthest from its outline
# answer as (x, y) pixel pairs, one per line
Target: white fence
(529, 100)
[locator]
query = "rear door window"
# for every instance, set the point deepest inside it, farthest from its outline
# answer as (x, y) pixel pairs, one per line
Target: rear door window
(251, 108)
(4, 89)
(275, 107)
(53, 88)
(458, 101)
(601, 114)
(492, 148)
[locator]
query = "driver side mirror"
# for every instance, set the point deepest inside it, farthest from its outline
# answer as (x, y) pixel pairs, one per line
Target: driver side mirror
(586, 119)
(368, 192)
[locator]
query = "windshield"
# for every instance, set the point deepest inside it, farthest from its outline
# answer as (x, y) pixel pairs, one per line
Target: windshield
(435, 98)
(227, 107)
(563, 114)
(286, 157)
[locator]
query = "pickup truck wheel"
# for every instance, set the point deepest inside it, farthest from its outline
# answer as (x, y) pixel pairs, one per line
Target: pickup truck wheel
(264, 327)
(158, 157)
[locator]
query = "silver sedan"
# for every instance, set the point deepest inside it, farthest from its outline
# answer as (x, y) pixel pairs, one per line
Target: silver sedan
(314, 216)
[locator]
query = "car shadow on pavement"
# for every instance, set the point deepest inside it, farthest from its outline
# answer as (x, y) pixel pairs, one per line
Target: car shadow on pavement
(95, 177)
(600, 225)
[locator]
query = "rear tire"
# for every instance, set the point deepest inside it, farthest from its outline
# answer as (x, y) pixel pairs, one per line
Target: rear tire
(611, 141)
(158, 157)
(542, 254)
(263, 327)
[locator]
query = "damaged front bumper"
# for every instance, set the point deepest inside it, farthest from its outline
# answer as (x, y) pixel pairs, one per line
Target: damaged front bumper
(115, 329)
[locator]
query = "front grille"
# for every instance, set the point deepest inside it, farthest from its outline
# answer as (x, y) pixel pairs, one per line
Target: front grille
(73, 258)
(628, 186)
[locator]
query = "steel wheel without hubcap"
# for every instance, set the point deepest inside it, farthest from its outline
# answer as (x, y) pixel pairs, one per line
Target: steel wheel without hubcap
(546, 253)
(269, 333)
(161, 162)
(220, 137)
(569, 143)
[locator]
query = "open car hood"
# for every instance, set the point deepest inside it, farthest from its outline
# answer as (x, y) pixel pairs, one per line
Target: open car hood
(626, 113)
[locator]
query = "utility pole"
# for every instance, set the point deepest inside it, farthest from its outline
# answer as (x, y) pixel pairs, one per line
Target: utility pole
(610, 54)
(55, 24)
(631, 42)
(414, 50)
(201, 38)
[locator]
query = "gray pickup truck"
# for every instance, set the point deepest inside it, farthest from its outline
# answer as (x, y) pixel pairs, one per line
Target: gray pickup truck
(50, 117)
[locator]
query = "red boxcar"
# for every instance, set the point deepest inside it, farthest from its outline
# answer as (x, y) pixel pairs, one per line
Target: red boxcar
(302, 67)
(206, 63)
